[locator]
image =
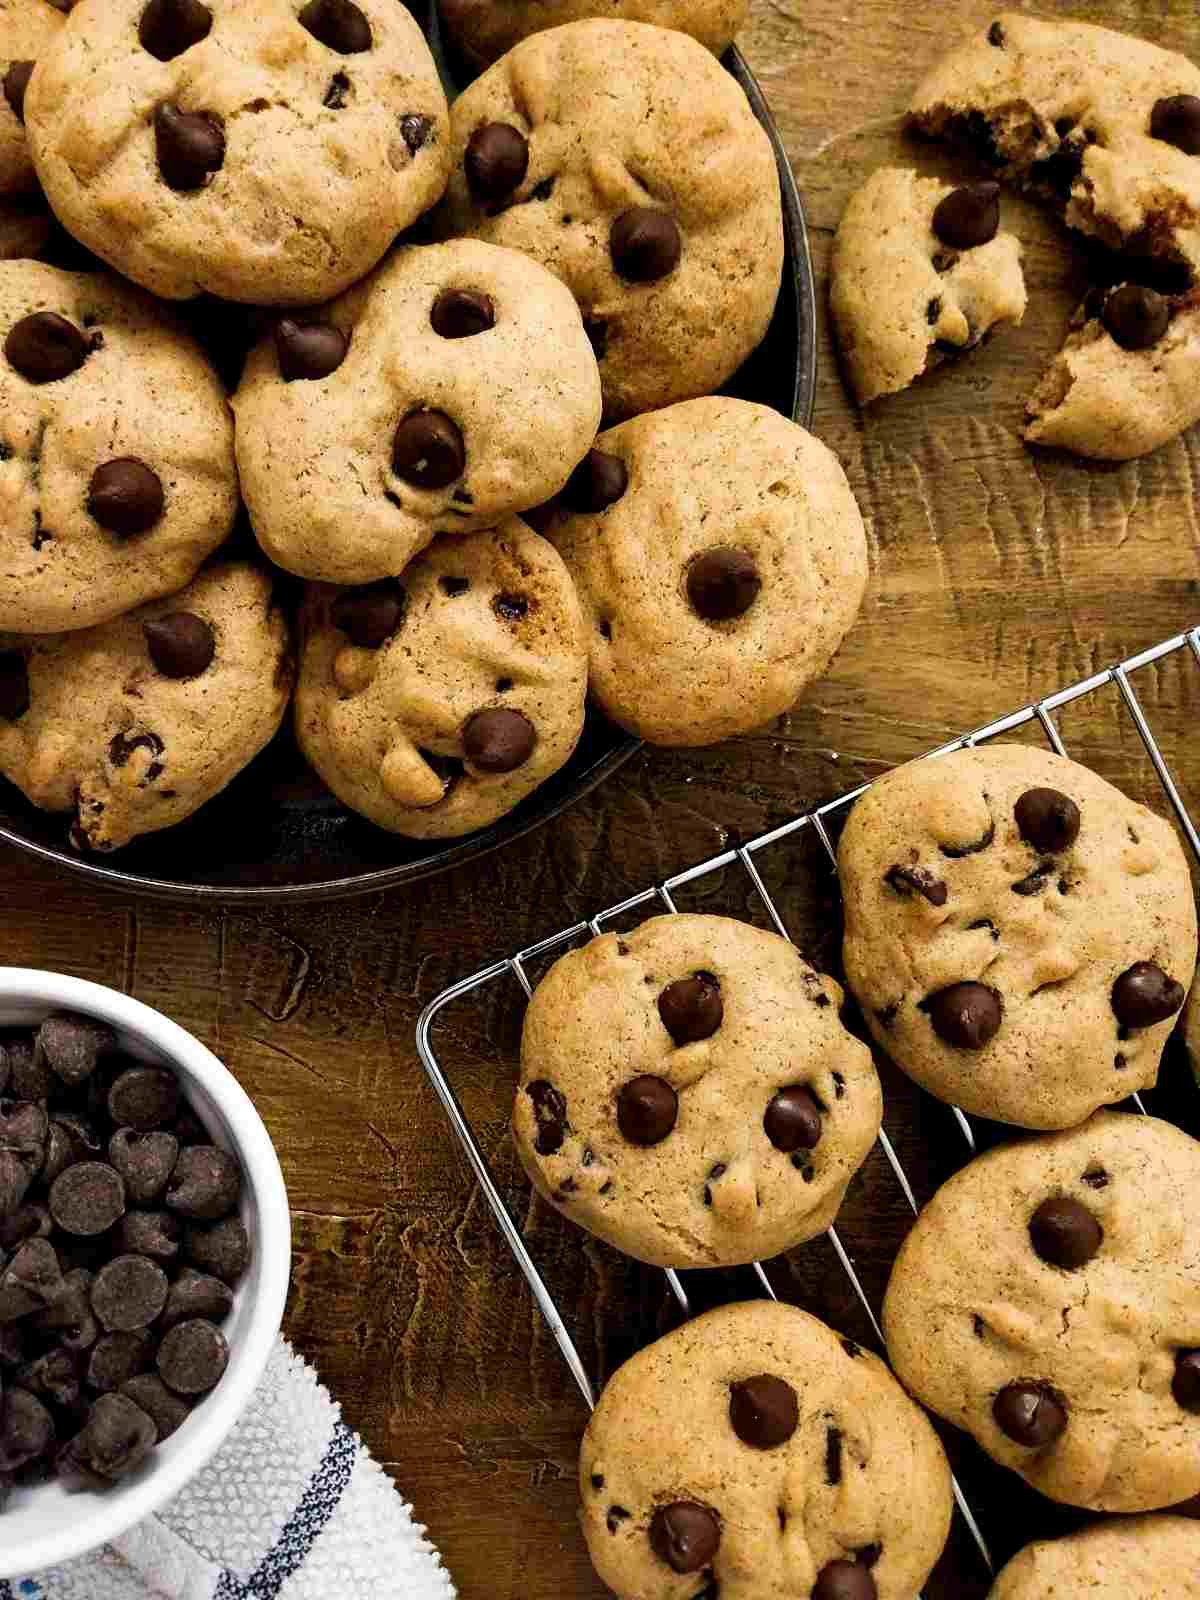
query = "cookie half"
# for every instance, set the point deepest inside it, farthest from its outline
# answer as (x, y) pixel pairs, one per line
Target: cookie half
(1019, 934)
(755, 1453)
(1047, 1300)
(1135, 1558)
(689, 1094)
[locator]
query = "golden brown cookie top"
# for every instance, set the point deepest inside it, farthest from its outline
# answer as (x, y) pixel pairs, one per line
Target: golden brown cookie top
(1130, 1558)
(485, 29)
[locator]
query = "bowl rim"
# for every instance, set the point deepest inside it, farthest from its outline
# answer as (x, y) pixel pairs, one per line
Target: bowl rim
(214, 1420)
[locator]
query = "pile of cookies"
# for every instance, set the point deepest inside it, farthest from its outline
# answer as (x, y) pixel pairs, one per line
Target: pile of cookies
(1105, 129)
(599, 248)
(1020, 938)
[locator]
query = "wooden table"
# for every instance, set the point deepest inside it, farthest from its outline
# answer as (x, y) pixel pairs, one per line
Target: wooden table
(997, 574)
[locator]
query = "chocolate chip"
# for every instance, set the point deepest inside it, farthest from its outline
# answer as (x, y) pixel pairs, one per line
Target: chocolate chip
(180, 644)
(496, 161)
(597, 482)
(87, 1198)
(335, 96)
(414, 130)
(968, 217)
(1065, 1233)
(647, 1109)
(86, 1143)
(15, 1179)
(1185, 1385)
(996, 35)
(1047, 820)
(917, 880)
(1029, 1413)
(16, 81)
(1035, 882)
(192, 1357)
(833, 1456)
(685, 1535)
(371, 615)
(692, 1008)
(31, 1281)
(428, 450)
(1136, 317)
(933, 311)
(792, 1120)
(965, 1015)
(145, 1162)
(956, 852)
(190, 146)
(308, 350)
(645, 244)
(144, 1098)
(167, 1411)
(72, 1045)
(196, 1294)
(129, 1292)
(550, 1113)
(117, 1357)
(205, 1184)
(27, 1073)
(26, 1429)
(169, 27)
(222, 1249)
(462, 313)
(763, 1411)
(512, 607)
(155, 1234)
(1096, 1178)
(69, 1317)
(338, 24)
(116, 1438)
(28, 1221)
(1175, 120)
(44, 347)
(845, 1580)
(1144, 995)
(14, 685)
(722, 584)
(498, 740)
(53, 1377)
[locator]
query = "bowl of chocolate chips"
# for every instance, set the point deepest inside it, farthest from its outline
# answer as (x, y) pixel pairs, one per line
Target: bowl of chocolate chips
(145, 1248)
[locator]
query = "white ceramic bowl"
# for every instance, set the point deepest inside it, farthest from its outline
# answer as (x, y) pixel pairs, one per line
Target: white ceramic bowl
(44, 1525)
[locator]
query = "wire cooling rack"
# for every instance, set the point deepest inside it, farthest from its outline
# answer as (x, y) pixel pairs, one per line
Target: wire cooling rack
(660, 897)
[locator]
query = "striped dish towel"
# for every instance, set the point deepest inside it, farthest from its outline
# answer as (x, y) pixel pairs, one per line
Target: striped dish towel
(291, 1507)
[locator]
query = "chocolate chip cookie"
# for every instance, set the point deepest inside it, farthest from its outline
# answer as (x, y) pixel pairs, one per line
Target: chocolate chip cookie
(627, 161)
(920, 271)
(117, 474)
(27, 27)
(452, 388)
(1128, 378)
(131, 726)
(1103, 126)
(483, 30)
(435, 702)
(722, 543)
(1047, 1300)
(755, 1453)
(688, 1093)
(1019, 935)
(267, 153)
(1134, 1558)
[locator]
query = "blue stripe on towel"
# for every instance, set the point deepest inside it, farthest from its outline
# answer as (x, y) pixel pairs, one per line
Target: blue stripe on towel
(302, 1529)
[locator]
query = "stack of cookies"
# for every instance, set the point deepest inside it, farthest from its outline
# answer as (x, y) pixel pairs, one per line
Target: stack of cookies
(601, 248)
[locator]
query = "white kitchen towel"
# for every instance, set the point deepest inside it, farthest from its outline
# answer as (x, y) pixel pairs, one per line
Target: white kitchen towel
(292, 1507)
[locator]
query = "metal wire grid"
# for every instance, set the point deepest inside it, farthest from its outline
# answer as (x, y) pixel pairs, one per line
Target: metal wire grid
(662, 895)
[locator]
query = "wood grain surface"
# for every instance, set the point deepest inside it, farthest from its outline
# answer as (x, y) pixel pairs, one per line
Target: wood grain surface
(997, 575)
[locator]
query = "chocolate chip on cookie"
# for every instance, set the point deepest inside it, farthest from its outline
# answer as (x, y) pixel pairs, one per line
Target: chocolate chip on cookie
(647, 1109)
(371, 615)
(1029, 1413)
(189, 145)
(792, 1120)
(16, 81)
(968, 217)
(645, 244)
(685, 1535)
(180, 644)
(692, 1008)
(14, 685)
(415, 130)
(550, 1110)
(338, 24)
(1185, 1385)
(462, 313)
(1135, 316)
(126, 496)
(965, 1015)
(496, 161)
(1176, 120)
(918, 880)
(1048, 820)
(845, 1580)
(308, 349)
(498, 740)
(169, 27)
(763, 1411)
(1145, 995)
(723, 584)
(44, 347)
(428, 450)
(597, 482)
(1065, 1233)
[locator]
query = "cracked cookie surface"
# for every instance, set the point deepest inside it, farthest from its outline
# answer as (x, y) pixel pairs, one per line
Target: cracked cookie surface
(484, 30)
(135, 724)
(688, 1092)
(27, 27)
(1047, 1300)
(435, 702)
(1137, 1558)
(265, 153)
(756, 1453)
(117, 474)
(627, 161)
(458, 387)
(902, 298)
(721, 542)
(1019, 934)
